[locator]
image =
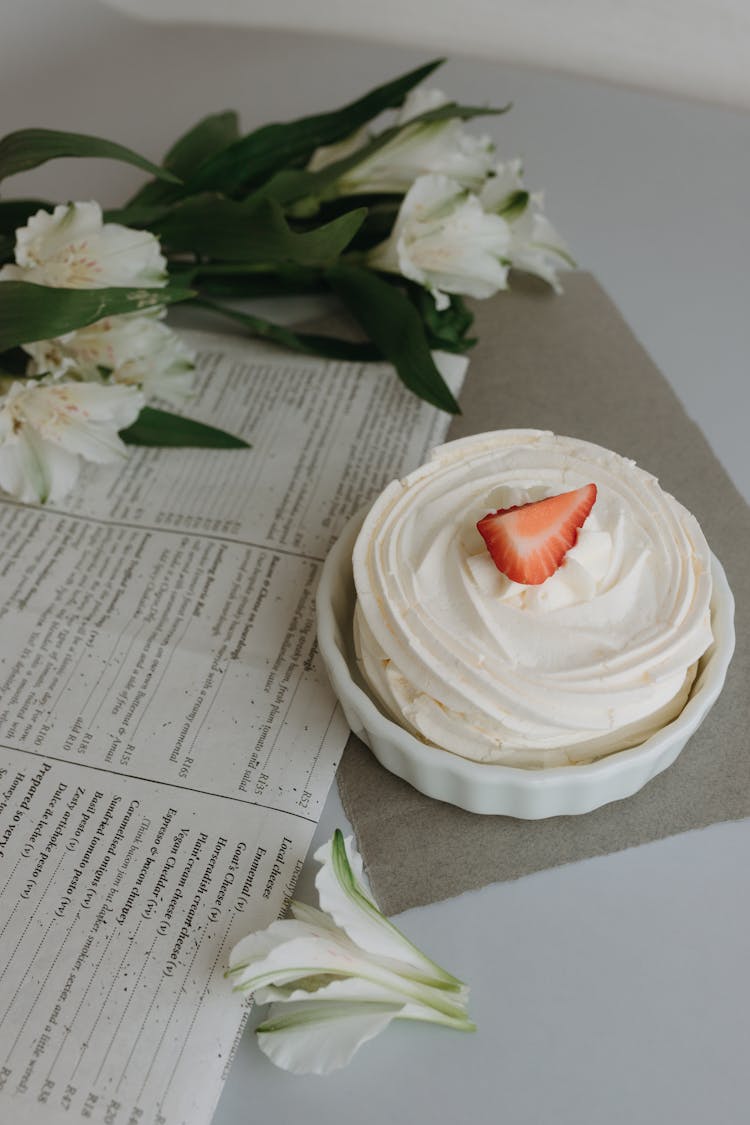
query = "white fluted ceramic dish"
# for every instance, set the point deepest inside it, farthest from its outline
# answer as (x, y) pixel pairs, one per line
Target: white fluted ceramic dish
(494, 789)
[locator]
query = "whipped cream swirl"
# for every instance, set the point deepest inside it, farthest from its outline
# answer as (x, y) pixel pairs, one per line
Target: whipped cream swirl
(592, 661)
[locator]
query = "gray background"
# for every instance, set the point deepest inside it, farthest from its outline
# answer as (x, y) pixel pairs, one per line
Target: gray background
(613, 990)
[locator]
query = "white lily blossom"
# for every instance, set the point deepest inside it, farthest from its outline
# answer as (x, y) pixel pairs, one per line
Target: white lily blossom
(135, 350)
(445, 240)
(420, 148)
(73, 248)
(337, 977)
(47, 427)
(535, 245)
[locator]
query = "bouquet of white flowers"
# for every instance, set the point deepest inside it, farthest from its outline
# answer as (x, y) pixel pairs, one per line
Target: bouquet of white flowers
(399, 220)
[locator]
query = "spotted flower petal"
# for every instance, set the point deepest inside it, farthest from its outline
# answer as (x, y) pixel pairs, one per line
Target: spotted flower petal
(73, 248)
(136, 350)
(47, 427)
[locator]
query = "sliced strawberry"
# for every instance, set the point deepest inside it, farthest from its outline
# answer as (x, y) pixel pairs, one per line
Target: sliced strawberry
(529, 542)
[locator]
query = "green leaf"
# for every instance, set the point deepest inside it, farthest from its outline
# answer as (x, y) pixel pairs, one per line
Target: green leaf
(287, 186)
(138, 214)
(378, 225)
(160, 427)
(39, 312)
(204, 140)
(28, 148)
(224, 228)
(446, 328)
(393, 323)
(242, 280)
(252, 159)
(306, 342)
(200, 143)
(514, 205)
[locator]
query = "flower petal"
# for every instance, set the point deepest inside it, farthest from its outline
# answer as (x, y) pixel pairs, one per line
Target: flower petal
(535, 245)
(342, 895)
(83, 418)
(34, 470)
(421, 100)
(118, 406)
(93, 442)
(258, 945)
(318, 956)
(304, 913)
(499, 189)
(136, 350)
(331, 154)
(61, 468)
(322, 987)
(46, 425)
(311, 954)
(318, 1038)
(537, 248)
(23, 469)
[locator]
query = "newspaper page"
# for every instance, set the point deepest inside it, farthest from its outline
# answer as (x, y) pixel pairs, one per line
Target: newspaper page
(167, 732)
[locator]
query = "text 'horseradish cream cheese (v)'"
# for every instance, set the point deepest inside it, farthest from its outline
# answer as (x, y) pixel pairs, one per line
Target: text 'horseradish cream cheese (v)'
(593, 660)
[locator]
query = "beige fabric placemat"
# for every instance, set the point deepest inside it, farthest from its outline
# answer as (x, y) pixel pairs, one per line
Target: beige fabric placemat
(571, 364)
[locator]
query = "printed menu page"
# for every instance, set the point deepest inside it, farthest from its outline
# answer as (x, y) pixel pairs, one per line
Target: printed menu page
(167, 733)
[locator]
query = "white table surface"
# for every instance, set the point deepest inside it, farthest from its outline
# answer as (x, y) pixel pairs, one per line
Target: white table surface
(608, 992)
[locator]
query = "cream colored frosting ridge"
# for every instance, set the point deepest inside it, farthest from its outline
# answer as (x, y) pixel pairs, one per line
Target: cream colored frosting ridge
(594, 660)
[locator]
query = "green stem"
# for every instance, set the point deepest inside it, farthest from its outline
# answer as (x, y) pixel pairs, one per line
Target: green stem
(233, 268)
(441, 1021)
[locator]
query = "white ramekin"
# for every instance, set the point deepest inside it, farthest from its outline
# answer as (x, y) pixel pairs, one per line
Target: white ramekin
(495, 789)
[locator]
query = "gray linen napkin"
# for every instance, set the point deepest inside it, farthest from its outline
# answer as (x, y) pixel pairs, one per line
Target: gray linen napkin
(571, 364)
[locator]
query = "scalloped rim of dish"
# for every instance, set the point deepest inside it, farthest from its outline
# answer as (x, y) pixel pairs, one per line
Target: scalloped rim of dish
(500, 789)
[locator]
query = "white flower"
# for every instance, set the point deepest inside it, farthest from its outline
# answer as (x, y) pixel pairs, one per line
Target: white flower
(535, 245)
(72, 248)
(336, 979)
(46, 427)
(443, 239)
(452, 241)
(135, 350)
(440, 146)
